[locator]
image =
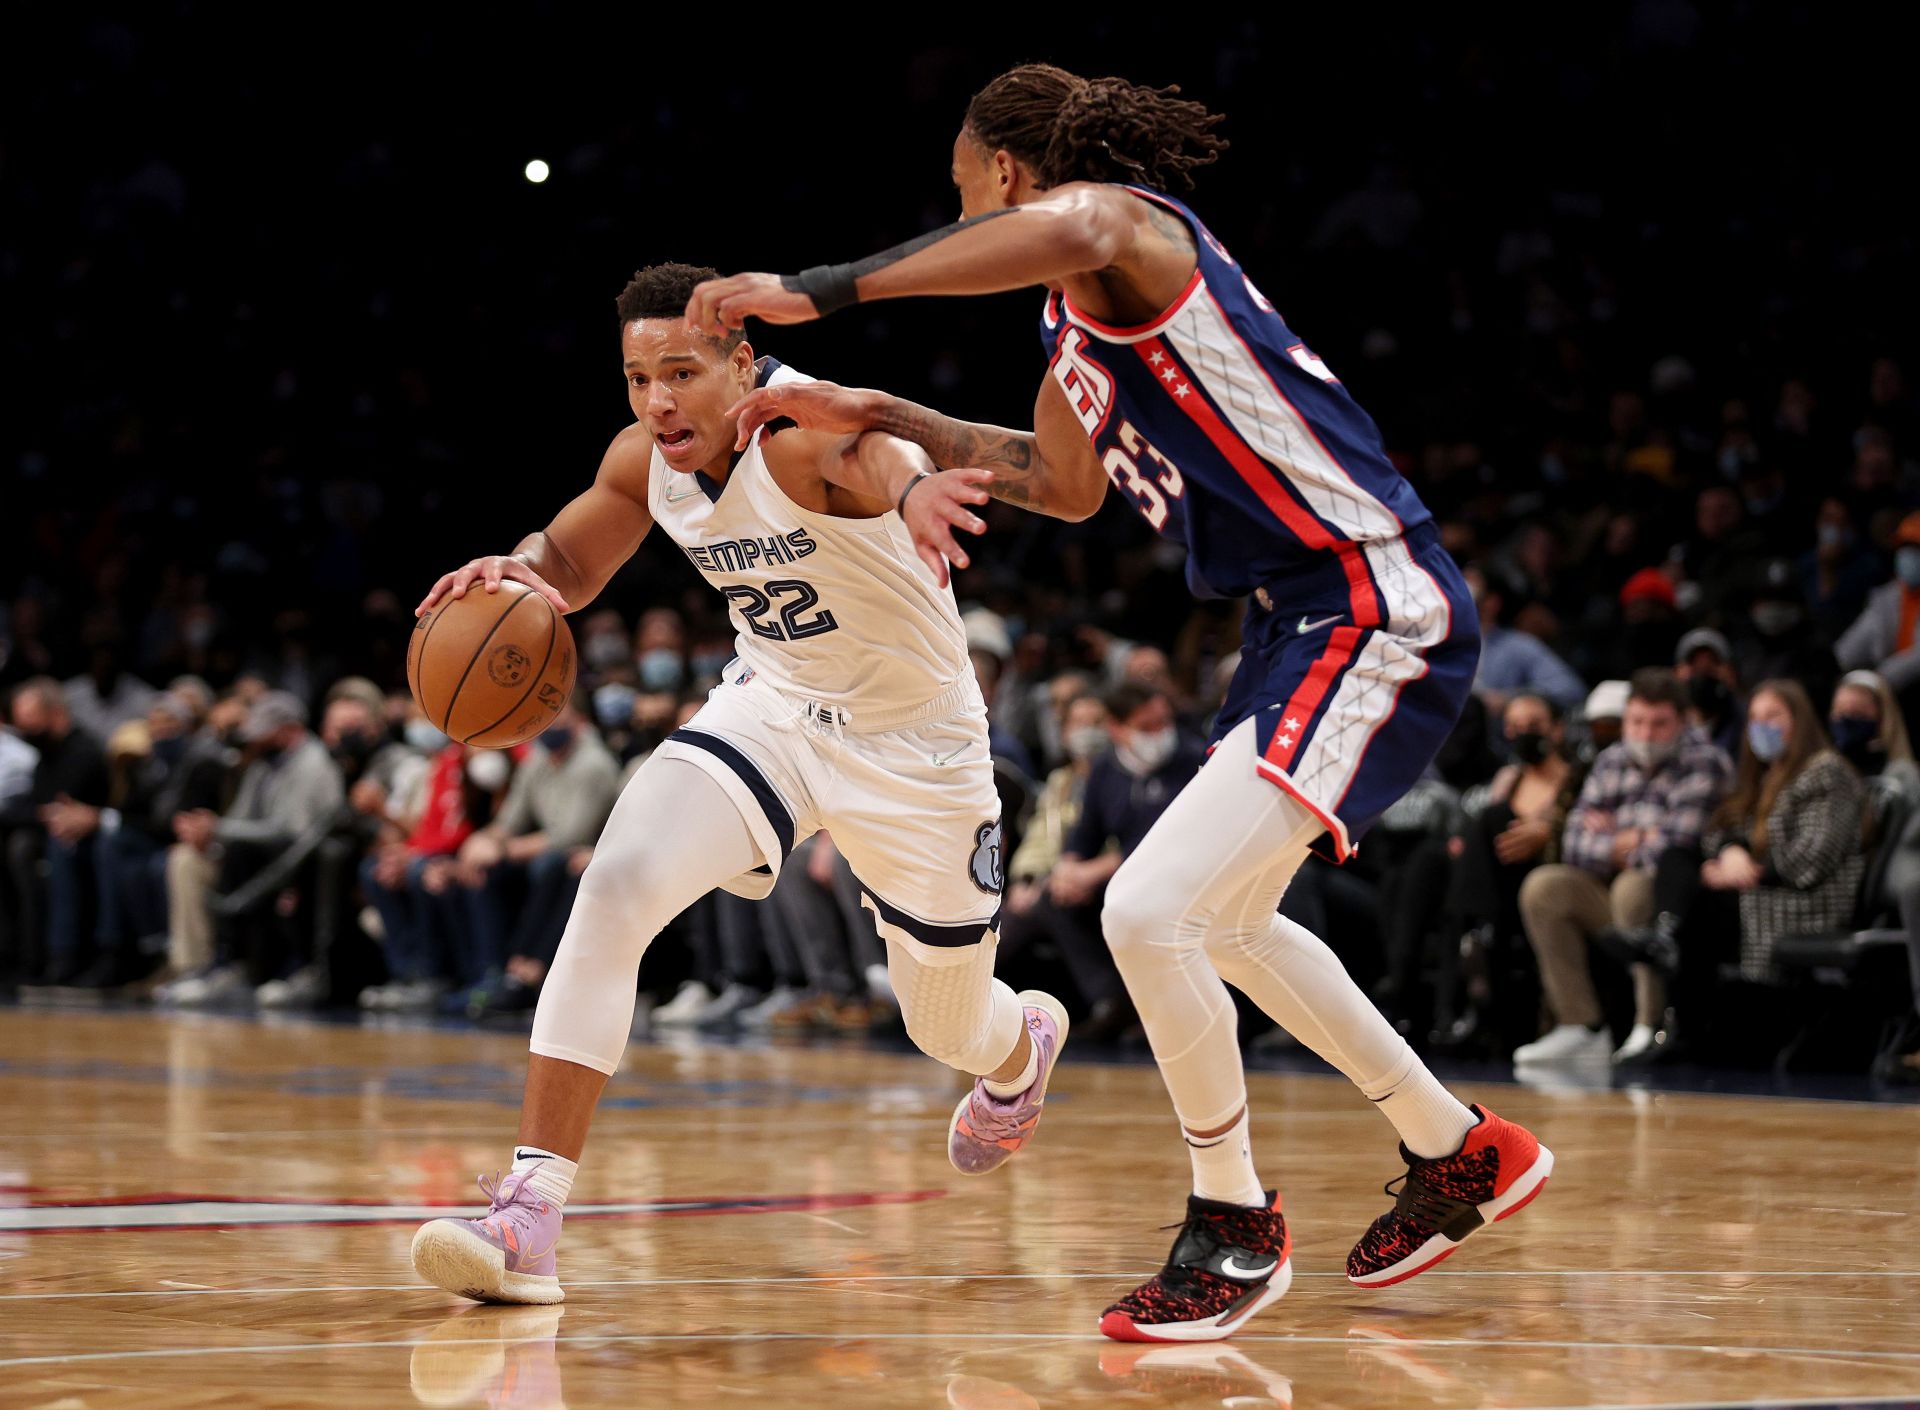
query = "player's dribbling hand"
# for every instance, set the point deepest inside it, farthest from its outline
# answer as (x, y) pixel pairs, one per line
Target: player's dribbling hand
(719, 306)
(812, 406)
(936, 507)
(490, 571)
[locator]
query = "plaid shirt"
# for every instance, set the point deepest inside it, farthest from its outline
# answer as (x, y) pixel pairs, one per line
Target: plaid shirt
(1670, 806)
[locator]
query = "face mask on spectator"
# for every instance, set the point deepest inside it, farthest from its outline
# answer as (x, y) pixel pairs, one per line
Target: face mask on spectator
(557, 739)
(1531, 747)
(1147, 751)
(1767, 740)
(1711, 696)
(660, 669)
(613, 705)
(1775, 618)
(1906, 564)
(355, 745)
(425, 737)
(1650, 754)
(604, 652)
(1086, 742)
(1858, 741)
(488, 769)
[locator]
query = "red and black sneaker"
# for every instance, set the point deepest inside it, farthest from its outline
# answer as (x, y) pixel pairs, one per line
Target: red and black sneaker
(1495, 1173)
(1228, 1263)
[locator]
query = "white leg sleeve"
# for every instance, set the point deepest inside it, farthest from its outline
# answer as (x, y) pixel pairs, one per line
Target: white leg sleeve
(674, 836)
(956, 1012)
(1194, 903)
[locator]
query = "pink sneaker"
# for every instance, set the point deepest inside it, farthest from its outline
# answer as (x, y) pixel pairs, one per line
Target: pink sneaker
(506, 1257)
(986, 1129)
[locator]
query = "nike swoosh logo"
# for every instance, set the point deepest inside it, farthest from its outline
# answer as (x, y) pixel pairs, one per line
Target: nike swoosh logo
(1230, 1267)
(940, 763)
(685, 494)
(1306, 626)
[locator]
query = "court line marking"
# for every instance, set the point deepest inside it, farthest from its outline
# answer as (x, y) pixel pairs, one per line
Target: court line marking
(1090, 1338)
(1814, 1402)
(1763, 1273)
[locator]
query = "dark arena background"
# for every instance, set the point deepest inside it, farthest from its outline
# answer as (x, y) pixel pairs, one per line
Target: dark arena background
(298, 313)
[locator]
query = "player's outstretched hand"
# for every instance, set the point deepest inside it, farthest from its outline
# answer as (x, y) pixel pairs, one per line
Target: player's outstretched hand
(812, 406)
(937, 506)
(490, 571)
(719, 306)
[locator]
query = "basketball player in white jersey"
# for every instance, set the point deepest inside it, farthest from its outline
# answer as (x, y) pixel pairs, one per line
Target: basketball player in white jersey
(851, 706)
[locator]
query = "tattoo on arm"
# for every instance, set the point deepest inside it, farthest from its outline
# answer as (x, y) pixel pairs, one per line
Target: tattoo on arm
(1169, 226)
(1019, 471)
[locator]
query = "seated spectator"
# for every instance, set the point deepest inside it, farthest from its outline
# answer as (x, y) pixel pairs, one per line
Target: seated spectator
(1519, 827)
(54, 825)
(403, 880)
(1649, 624)
(1058, 807)
(1653, 790)
(106, 697)
(1127, 788)
(1784, 856)
(518, 875)
(1870, 733)
(181, 769)
(1778, 639)
(1511, 661)
(1601, 719)
(1882, 638)
(1704, 663)
(257, 857)
(1838, 572)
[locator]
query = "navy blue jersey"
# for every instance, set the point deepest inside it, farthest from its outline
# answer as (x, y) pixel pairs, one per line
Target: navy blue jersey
(1226, 433)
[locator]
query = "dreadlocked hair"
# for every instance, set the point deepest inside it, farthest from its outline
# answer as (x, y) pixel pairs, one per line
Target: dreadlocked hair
(664, 291)
(1069, 128)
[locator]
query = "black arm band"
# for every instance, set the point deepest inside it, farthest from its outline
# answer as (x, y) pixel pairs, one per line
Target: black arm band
(900, 505)
(830, 286)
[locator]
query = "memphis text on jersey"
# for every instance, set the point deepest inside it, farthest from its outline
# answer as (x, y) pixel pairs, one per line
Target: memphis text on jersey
(742, 555)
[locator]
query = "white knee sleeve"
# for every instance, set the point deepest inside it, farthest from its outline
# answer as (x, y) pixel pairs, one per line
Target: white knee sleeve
(956, 1012)
(674, 836)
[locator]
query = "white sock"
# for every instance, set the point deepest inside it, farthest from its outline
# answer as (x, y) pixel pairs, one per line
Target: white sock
(1223, 1166)
(1430, 1119)
(548, 1175)
(1024, 1080)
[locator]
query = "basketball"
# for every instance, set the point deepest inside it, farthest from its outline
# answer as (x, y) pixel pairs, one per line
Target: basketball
(491, 669)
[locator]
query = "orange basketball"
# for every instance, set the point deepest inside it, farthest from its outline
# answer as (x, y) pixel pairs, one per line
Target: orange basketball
(491, 668)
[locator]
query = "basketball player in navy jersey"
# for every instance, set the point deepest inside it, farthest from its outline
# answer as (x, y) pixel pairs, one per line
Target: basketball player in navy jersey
(1171, 375)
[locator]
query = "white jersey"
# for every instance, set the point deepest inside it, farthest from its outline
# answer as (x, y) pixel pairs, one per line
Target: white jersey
(838, 611)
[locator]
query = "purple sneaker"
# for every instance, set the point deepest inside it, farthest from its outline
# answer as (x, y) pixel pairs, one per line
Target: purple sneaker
(506, 1257)
(986, 1129)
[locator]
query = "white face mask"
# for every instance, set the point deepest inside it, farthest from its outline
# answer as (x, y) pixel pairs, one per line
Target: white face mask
(1650, 754)
(1146, 752)
(1086, 742)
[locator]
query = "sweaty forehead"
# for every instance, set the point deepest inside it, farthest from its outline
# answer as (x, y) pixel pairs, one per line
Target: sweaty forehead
(649, 342)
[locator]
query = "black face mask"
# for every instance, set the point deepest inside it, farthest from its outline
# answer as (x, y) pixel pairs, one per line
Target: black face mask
(1711, 696)
(1858, 741)
(355, 747)
(1531, 748)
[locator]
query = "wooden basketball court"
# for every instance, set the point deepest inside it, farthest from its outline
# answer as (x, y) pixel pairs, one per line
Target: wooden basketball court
(203, 1211)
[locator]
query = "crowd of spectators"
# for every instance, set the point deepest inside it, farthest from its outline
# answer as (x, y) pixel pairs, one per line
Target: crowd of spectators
(1659, 396)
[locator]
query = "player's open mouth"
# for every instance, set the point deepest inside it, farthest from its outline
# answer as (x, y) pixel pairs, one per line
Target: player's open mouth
(675, 440)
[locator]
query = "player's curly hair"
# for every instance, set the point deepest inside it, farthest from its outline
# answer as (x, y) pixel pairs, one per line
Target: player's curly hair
(1069, 128)
(663, 291)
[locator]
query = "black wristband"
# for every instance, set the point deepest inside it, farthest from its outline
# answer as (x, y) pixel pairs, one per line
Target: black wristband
(900, 505)
(832, 287)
